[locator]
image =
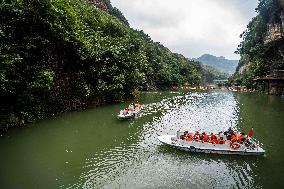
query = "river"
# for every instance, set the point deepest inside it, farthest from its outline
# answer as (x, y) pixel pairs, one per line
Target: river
(92, 149)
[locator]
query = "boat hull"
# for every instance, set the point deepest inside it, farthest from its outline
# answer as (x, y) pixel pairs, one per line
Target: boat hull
(199, 147)
(121, 116)
(131, 115)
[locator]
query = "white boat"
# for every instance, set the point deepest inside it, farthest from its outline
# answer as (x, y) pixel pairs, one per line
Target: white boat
(130, 113)
(205, 147)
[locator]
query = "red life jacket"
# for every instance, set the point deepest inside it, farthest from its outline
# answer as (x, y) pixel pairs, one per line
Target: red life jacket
(240, 138)
(204, 137)
(195, 136)
(221, 142)
(213, 137)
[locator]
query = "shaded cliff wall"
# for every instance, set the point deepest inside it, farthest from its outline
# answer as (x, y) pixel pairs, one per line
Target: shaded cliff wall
(262, 48)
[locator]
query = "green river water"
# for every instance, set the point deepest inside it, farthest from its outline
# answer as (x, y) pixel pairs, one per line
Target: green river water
(92, 149)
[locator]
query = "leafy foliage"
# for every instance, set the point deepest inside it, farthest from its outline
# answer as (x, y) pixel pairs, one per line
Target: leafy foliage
(59, 55)
(105, 5)
(257, 57)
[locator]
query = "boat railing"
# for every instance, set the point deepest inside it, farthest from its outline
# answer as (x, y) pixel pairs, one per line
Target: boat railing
(255, 143)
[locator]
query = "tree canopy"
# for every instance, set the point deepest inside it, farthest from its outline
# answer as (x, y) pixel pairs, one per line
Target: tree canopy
(257, 57)
(59, 55)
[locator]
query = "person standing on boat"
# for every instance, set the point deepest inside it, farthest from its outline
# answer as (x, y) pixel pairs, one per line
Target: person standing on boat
(137, 105)
(229, 133)
(248, 141)
(131, 107)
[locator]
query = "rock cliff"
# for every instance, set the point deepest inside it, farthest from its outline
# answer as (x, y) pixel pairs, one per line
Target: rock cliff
(106, 6)
(262, 49)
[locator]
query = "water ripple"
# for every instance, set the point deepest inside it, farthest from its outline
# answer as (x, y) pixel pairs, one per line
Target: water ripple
(146, 164)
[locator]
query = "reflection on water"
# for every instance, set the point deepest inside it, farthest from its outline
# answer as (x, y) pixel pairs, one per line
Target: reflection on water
(92, 149)
(147, 164)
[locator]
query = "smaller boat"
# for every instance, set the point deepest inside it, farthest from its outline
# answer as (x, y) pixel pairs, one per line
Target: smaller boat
(247, 147)
(132, 111)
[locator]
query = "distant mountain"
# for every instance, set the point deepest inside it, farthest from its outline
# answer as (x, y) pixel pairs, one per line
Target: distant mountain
(219, 63)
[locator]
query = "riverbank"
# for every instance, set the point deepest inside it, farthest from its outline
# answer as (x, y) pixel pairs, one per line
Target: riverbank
(213, 87)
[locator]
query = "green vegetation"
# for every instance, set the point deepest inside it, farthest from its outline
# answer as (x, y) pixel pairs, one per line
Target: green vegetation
(257, 57)
(105, 5)
(60, 55)
(209, 74)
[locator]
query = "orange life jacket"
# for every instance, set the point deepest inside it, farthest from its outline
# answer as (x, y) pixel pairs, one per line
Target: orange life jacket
(188, 139)
(215, 141)
(233, 139)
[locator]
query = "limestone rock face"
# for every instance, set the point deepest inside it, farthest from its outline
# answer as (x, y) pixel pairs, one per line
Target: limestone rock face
(275, 28)
(275, 33)
(274, 39)
(270, 60)
(245, 61)
(106, 6)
